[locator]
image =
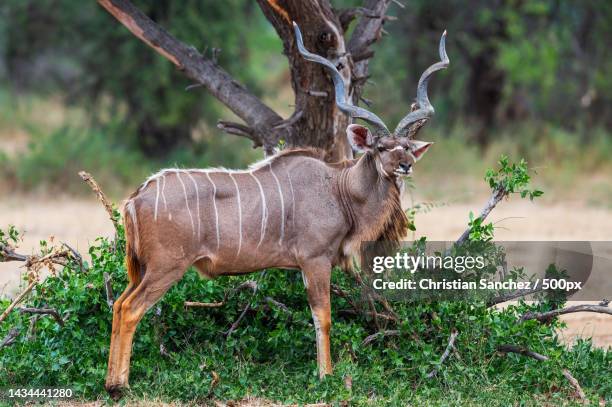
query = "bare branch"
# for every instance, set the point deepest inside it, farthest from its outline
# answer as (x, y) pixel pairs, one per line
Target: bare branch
(368, 29)
(545, 317)
(87, 177)
(10, 338)
(278, 304)
(512, 296)
(17, 300)
(347, 15)
(43, 311)
(497, 195)
(196, 304)
(522, 351)
(366, 33)
(77, 256)
(197, 67)
(380, 334)
(7, 254)
(572, 380)
(237, 322)
(241, 130)
(367, 54)
(446, 354)
(110, 298)
(368, 313)
(297, 115)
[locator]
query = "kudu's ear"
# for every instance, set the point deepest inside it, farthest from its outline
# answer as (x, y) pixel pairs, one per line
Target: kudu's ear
(360, 137)
(419, 148)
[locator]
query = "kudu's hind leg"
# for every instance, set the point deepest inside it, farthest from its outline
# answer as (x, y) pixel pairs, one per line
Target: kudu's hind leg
(317, 275)
(156, 282)
(113, 352)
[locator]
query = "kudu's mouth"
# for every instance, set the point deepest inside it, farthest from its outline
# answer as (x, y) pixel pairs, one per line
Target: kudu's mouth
(403, 170)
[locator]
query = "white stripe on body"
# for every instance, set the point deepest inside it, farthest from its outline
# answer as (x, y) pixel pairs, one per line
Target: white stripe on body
(292, 200)
(156, 197)
(239, 215)
(282, 201)
(264, 210)
(195, 185)
(163, 193)
(178, 175)
(216, 210)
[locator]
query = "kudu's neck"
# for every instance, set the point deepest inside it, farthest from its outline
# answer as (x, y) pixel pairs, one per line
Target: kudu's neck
(371, 202)
(365, 182)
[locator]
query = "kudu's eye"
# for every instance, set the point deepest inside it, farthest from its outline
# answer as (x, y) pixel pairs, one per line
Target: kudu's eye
(381, 148)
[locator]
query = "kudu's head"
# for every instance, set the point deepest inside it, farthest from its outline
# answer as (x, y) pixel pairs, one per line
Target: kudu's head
(395, 153)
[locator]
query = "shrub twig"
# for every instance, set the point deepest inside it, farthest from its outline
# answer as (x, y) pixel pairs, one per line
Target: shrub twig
(496, 196)
(89, 179)
(77, 256)
(17, 300)
(196, 304)
(43, 311)
(110, 298)
(449, 347)
(545, 317)
(237, 322)
(10, 338)
(380, 334)
(512, 296)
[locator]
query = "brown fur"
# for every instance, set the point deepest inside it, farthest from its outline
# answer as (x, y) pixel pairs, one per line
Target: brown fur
(390, 223)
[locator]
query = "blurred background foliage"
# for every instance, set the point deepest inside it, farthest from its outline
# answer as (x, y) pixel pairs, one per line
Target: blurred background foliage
(77, 91)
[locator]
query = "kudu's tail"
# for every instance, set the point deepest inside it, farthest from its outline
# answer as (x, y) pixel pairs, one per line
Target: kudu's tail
(131, 244)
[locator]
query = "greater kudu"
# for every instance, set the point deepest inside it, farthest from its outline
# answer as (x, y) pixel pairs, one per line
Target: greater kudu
(291, 211)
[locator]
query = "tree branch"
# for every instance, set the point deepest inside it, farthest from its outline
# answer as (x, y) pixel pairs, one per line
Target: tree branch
(243, 103)
(241, 130)
(195, 304)
(347, 15)
(8, 254)
(446, 354)
(512, 296)
(89, 179)
(521, 351)
(17, 300)
(380, 334)
(43, 311)
(545, 317)
(10, 338)
(497, 195)
(110, 298)
(367, 32)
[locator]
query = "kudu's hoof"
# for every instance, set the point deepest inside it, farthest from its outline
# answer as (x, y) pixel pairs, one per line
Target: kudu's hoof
(116, 391)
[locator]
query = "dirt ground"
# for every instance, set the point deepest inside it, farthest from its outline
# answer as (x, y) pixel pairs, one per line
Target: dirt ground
(78, 222)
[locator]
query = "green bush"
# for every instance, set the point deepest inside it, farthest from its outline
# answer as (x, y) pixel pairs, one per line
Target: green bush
(272, 353)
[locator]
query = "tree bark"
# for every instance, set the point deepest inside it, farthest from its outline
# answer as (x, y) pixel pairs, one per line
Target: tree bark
(322, 124)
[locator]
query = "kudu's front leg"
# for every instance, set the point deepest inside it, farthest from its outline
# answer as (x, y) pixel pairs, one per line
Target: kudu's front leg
(317, 274)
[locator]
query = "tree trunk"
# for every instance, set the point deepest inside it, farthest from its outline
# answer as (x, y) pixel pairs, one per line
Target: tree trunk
(320, 124)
